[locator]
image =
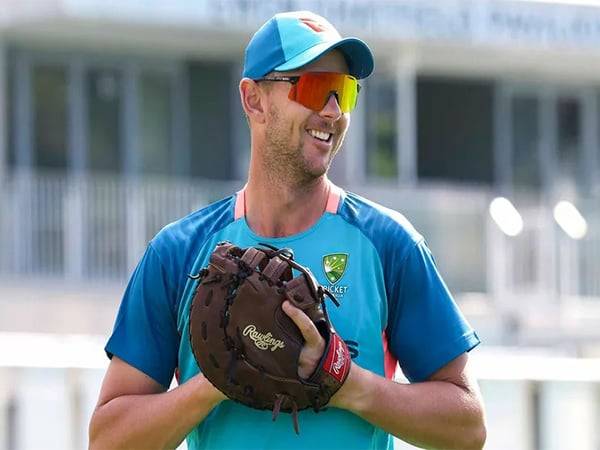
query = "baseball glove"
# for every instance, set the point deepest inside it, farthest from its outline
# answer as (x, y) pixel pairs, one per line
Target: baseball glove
(244, 342)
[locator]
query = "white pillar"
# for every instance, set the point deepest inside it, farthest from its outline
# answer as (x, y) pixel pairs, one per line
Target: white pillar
(74, 226)
(136, 222)
(406, 118)
(23, 125)
(74, 202)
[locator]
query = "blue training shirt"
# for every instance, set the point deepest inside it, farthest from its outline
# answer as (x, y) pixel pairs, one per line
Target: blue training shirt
(394, 307)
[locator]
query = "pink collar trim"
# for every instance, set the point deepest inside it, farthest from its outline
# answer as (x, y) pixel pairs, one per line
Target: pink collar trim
(333, 201)
(240, 204)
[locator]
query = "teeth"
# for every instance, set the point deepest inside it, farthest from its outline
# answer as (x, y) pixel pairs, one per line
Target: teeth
(321, 135)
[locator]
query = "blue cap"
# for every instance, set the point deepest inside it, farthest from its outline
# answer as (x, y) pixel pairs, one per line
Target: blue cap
(291, 40)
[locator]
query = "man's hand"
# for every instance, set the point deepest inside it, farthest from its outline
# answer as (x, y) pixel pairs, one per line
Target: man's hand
(443, 412)
(314, 345)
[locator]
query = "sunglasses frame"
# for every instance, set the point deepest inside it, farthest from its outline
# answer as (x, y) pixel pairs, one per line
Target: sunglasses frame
(293, 80)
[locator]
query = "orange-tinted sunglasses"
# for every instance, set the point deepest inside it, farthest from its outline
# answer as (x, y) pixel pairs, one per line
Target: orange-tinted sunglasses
(313, 89)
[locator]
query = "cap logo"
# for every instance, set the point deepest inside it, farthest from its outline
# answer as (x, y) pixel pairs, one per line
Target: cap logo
(314, 25)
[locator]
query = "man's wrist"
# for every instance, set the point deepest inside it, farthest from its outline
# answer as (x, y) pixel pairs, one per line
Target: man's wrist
(353, 395)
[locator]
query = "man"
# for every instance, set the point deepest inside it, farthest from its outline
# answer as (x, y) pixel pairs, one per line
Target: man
(298, 89)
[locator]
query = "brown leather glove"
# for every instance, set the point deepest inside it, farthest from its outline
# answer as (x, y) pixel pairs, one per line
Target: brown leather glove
(244, 342)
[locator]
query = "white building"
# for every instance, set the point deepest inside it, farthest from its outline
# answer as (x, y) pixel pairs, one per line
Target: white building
(119, 117)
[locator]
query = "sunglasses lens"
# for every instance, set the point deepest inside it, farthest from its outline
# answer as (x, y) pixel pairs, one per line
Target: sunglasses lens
(314, 89)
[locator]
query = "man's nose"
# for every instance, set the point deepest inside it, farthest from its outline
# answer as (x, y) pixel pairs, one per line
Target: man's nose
(332, 109)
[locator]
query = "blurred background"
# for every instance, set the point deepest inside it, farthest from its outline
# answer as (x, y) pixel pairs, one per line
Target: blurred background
(481, 124)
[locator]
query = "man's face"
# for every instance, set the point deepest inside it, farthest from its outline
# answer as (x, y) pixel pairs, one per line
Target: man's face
(301, 142)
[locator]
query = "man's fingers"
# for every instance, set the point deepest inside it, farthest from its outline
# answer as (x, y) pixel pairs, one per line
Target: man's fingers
(307, 327)
(314, 344)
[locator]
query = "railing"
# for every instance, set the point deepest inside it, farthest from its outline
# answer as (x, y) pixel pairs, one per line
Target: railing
(90, 226)
(96, 227)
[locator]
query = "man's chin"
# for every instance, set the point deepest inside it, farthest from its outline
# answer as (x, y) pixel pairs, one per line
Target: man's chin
(317, 164)
(316, 170)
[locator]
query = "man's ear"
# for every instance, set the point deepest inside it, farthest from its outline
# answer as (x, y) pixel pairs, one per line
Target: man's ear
(252, 98)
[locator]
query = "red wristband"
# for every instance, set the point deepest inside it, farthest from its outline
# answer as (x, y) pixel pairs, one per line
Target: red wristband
(337, 362)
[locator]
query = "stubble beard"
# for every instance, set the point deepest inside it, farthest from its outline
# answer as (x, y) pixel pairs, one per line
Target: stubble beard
(284, 160)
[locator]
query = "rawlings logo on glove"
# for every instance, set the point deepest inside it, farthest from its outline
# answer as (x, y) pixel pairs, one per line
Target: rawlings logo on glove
(236, 315)
(263, 341)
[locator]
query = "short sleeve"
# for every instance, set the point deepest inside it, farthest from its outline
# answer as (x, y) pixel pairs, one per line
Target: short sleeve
(145, 333)
(426, 330)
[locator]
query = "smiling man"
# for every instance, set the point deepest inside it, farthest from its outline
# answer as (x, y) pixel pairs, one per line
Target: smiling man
(299, 86)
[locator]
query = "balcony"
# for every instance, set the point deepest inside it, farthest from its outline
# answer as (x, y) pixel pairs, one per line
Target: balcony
(90, 228)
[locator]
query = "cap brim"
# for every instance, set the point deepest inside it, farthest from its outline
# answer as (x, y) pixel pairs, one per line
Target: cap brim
(358, 56)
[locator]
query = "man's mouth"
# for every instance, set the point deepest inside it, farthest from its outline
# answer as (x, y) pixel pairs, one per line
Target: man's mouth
(320, 135)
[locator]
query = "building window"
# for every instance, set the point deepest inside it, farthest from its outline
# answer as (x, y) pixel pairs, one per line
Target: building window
(49, 97)
(11, 97)
(569, 142)
(155, 123)
(526, 167)
(211, 120)
(104, 94)
(455, 123)
(102, 116)
(381, 154)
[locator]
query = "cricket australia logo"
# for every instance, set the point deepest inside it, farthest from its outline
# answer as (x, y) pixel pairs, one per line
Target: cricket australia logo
(261, 340)
(334, 266)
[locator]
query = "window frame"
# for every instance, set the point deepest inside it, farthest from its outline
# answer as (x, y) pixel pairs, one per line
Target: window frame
(77, 65)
